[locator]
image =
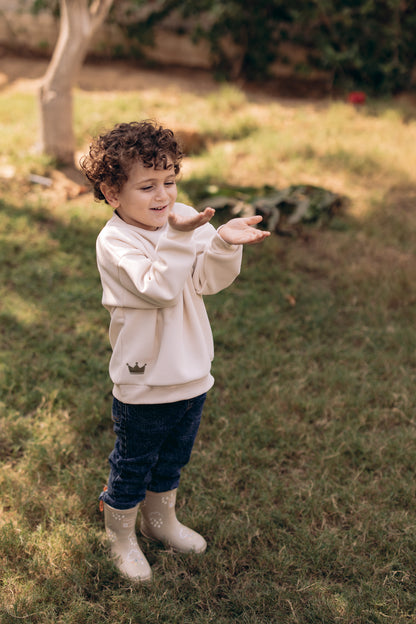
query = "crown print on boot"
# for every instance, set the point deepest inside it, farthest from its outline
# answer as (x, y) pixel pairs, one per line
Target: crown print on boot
(136, 369)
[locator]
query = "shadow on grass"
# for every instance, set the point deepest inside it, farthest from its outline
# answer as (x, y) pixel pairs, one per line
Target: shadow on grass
(54, 333)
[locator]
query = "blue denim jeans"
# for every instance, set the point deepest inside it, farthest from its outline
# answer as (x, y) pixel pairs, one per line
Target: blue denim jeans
(154, 442)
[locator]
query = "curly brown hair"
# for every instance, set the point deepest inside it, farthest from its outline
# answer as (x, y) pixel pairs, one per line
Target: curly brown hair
(112, 154)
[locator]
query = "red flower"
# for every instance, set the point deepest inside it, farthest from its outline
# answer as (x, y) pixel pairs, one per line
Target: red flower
(356, 97)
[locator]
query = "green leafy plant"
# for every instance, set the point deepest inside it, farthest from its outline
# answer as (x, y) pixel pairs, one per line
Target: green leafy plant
(359, 43)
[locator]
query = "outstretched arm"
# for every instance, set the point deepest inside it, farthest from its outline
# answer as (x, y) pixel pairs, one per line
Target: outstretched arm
(240, 231)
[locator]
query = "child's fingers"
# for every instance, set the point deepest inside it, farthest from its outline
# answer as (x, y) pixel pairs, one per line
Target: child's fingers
(253, 220)
(255, 236)
(208, 213)
(186, 224)
(202, 218)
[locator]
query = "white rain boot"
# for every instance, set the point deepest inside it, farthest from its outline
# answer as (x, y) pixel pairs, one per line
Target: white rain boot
(120, 528)
(159, 523)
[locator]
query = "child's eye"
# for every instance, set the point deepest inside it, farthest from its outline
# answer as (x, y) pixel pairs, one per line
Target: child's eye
(146, 188)
(170, 183)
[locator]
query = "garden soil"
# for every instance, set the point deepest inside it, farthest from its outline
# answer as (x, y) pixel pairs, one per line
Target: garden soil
(25, 71)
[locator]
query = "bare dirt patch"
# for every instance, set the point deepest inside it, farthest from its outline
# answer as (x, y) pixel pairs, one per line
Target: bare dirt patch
(24, 72)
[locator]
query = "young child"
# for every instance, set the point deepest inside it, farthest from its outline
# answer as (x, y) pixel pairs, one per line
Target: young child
(156, 258)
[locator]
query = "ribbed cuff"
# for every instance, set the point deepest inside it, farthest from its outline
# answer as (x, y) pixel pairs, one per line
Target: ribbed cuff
(218, 243)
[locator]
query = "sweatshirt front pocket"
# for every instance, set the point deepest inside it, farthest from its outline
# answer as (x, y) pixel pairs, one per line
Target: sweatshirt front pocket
(133, 339)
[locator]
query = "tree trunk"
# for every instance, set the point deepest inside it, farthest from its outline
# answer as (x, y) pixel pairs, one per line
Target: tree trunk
(78, 22)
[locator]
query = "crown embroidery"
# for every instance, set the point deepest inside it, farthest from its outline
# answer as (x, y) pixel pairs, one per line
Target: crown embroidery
(136, 369)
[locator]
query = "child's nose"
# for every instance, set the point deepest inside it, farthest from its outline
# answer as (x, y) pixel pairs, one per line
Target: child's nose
(161, 192)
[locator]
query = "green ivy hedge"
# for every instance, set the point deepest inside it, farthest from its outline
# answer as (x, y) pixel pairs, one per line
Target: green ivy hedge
(368, 44)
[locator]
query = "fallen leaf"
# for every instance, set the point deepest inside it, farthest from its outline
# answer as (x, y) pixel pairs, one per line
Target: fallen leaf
(290, 299)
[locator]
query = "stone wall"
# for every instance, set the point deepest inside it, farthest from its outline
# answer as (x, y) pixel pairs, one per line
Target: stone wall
(19, 29)
(23, 31)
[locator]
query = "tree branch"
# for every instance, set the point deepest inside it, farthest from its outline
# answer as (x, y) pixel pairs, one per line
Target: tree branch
(98, 12)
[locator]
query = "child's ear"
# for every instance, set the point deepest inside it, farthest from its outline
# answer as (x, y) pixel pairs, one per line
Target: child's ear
(110, 194)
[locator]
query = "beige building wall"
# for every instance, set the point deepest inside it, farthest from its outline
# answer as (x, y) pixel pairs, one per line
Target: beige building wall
(19, 29)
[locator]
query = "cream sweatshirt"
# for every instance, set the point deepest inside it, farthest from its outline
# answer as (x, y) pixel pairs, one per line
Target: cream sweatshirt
(153, 286)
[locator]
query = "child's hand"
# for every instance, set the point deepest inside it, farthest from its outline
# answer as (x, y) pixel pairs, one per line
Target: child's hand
(239, 231)
(187, 224)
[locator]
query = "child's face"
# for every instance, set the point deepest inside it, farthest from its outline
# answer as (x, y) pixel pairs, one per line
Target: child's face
(146, 198)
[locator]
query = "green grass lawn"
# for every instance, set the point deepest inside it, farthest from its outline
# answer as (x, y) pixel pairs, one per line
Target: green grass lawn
(302, 477)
